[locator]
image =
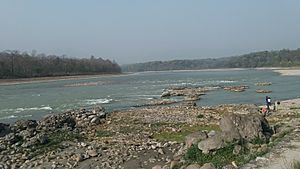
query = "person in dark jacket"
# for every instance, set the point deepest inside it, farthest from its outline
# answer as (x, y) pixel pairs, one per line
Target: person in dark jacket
(268, 102)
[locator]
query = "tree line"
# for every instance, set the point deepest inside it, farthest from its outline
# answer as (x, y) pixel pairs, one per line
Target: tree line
(280, 58)
(14, 64)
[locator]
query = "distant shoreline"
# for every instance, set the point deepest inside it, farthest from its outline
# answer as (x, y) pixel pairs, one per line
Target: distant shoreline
(6, 82)
(284, 71)
(288, 71)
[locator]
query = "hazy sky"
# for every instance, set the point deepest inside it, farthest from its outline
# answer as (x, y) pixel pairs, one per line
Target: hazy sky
(144, 30)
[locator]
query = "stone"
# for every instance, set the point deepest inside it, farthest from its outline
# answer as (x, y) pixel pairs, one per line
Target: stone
(160, 151)
(208, 166)
(193, 166)
(194, 138)
(95, 120)
(166, 94)
(12, 138)
(25, 124)
(264, 147)
(92, 153)
(25, 134)
(211, 133)
(78, 158)
(211, 143)
(42, 138)
(157, 167)
(173, 164)
(229, 166)
(102, 115)
(237, 149)
(4, 129)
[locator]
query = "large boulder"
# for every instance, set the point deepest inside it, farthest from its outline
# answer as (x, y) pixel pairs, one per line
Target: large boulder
(25, 124)
(4, 129)
(53, 122)
(194, 138)
(245, 126)
(212, 143)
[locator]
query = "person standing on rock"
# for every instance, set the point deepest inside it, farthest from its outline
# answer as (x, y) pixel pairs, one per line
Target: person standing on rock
(268, 102)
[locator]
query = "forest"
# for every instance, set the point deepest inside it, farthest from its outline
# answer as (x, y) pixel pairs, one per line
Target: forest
(280, 58)
(14, 64)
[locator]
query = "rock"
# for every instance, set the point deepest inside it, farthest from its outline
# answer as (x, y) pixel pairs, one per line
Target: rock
(92, 153)
(25, 124)
(229, 166)
(95, 120)
(208, 166)
(263, 91)
(54, 122)
(264, 147)
(4, 129)
(166, 94)
(237, 149)
(245, 126)
(173, 164)
(78, 158)
(157, 167)
(42, 138)
(98, 109)
(211, 133)
(102, 114)
(193, 166)
(160, 151)
(261, 159)
(25, 134)
(211, 143)
(194, 138)
(240, 88)
(12, 138)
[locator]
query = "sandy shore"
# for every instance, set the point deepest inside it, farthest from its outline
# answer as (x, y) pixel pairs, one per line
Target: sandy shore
(288, 71)
(5, 82)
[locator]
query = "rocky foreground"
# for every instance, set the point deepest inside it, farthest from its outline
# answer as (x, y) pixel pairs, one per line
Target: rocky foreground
(181, 136)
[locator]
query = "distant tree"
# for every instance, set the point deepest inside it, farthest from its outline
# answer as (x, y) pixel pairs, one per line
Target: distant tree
(14, 64)
(284, 57)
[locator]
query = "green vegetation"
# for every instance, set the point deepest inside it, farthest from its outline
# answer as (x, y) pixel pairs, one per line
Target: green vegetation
(281, 58)
(200, 116)
(185, 130)
(54, 140)
(14, 64)
(296, 165)
(294, 108)
(278, 138)
(220, 157)
(104, 133)
(258, 140)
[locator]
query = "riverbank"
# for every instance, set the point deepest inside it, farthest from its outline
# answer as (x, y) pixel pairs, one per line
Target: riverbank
(288, 71)
(5, 82)
(146, 137)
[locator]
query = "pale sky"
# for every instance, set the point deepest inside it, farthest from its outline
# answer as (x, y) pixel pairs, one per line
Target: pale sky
(131, 31)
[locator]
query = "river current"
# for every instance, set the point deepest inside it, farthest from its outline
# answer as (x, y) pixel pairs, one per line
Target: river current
(35, 100)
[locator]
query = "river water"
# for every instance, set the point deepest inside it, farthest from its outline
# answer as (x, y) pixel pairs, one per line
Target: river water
(34, 100)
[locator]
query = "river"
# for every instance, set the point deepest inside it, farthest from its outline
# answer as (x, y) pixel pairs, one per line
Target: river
(35, 100)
